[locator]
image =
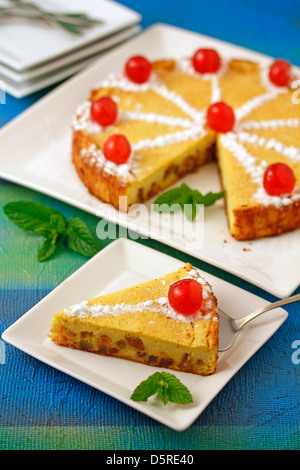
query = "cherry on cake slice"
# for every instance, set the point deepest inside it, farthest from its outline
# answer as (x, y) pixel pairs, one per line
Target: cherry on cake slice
(170, 322)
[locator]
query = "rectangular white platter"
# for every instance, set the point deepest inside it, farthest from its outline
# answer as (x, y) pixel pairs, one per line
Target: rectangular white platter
(121, 264)
(40, 158)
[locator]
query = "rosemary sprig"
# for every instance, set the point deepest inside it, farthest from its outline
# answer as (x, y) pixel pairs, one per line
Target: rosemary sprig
(74, 23)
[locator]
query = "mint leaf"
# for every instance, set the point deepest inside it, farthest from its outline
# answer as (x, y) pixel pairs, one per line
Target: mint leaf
(53, 226)
(80, 239)
(58, 222)
(46, 231)
(48, 247)
(166, 385)
(162, 390)
(175, 196)
(190, 210)
(208, 199)
(147, 388)
(170, 201)
(56, 225)
(185, 198)
(177, 392)
(29, 215)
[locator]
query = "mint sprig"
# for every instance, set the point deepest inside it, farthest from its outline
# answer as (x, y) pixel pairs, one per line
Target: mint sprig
(80, 239)
(186, 199)
(53, 227)
(167, 386)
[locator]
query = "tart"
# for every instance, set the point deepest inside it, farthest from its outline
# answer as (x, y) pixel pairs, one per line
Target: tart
(165, 121)
(139, 324)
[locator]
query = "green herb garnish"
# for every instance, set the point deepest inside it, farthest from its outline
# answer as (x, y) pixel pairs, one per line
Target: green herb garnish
(166, 385)
(54, 227)
(186, 199)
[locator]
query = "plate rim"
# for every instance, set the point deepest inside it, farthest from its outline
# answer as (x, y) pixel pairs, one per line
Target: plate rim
(125, 244)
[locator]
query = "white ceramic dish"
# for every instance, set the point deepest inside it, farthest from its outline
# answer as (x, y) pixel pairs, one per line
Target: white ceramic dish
(36, 43)
(40, 158)
(121, 264)
(37, 79)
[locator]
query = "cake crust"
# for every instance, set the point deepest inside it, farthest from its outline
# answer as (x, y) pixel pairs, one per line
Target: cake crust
(258, 222)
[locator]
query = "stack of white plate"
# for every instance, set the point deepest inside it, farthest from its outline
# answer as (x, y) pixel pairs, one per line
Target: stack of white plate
(34, 55)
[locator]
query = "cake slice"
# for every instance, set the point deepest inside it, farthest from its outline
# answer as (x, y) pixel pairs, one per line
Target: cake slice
(139, 324)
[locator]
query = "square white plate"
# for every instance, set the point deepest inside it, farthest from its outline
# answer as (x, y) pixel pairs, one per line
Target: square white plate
(36, 43)
(121, 264)
(20, 85)
(40, 158)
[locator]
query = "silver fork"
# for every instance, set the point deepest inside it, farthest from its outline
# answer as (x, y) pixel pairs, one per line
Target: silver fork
(230, 327)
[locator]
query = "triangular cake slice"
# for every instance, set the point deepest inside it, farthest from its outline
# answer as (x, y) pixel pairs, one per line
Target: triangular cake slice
(138, 324)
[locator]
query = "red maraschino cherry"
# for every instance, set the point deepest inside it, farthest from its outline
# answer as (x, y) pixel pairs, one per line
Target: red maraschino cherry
(186, 296)
(117, 149)
(206, 61)
(220, 117)
(138, 69)
(104, 111)
(279, 179)
(280, 73)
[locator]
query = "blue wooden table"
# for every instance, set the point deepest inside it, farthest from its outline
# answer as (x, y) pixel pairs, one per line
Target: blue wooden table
(42, 408)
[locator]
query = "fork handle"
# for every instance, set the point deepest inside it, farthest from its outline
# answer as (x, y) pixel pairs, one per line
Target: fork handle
(242, 321)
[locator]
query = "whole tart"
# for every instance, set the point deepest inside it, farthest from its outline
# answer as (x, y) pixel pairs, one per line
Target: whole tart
(139, 324)
(165, 122)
